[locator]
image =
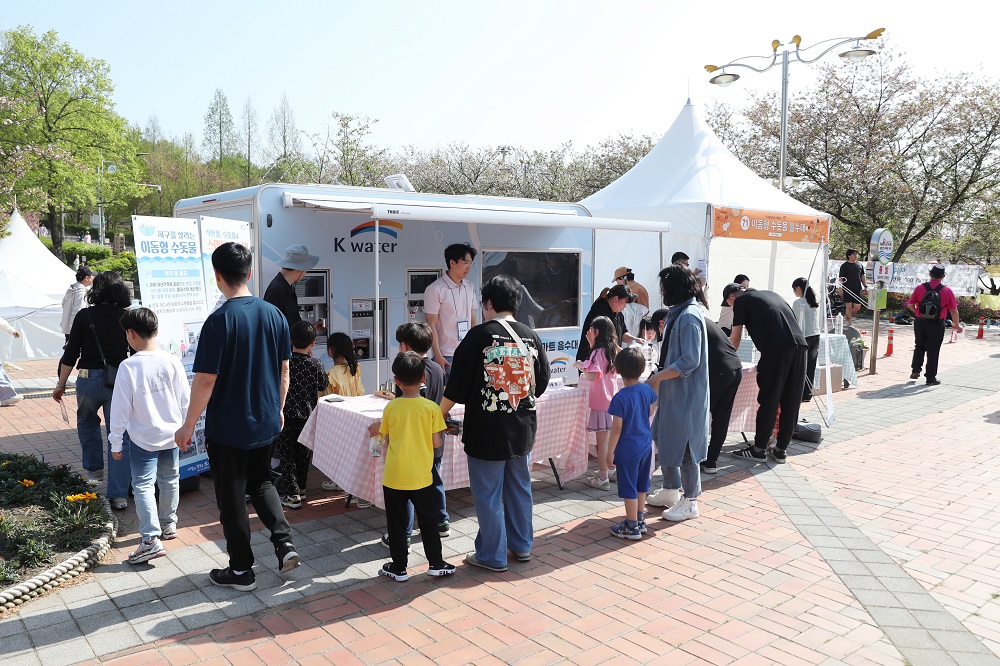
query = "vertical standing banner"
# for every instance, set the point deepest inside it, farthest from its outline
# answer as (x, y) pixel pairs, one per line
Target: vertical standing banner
(214, 232)
(171, 275)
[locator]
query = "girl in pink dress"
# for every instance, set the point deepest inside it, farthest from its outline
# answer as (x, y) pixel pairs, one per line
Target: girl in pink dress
(600, 369)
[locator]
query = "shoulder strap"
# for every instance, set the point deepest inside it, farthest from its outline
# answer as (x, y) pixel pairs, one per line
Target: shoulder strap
(524, 350)
(96, 338)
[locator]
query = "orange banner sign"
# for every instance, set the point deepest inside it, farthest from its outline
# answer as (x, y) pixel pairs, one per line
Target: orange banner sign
(760, 225)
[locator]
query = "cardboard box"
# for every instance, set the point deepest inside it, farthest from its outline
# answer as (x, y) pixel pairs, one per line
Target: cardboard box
(836, 377)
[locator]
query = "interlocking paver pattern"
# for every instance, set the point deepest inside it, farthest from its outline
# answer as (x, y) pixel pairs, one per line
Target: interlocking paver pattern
(876, 546)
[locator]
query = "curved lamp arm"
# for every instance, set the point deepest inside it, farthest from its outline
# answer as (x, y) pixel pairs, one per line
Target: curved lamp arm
(737, 63)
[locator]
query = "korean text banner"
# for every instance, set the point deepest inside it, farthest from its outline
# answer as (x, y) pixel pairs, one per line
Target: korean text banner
(762, 225)
(214, 232)
(169, 262)
(963, 279)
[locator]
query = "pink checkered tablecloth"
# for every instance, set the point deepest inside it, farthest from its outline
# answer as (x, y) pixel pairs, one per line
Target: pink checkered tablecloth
(337, 432)
(744, 417)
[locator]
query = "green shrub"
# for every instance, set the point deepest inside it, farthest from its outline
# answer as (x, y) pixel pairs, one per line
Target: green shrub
(123, 264)
(92, 251)
(9, 573)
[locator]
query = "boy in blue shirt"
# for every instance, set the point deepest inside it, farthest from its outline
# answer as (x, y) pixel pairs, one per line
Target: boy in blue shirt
(631, 441)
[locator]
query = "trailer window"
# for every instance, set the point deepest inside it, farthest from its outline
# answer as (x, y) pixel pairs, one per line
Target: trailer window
(550, 297)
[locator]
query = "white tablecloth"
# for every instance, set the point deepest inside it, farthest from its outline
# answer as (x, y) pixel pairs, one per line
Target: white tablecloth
(840, 354)
(337, 432)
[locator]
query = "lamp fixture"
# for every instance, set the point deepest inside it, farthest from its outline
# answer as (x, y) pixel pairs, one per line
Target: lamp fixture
(857, 54)
(724, 79)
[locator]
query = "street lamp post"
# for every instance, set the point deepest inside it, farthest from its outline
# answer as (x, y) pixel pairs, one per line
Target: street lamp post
(856, 53)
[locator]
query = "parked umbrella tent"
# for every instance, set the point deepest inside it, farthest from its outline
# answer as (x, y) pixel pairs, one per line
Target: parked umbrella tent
(379, 249)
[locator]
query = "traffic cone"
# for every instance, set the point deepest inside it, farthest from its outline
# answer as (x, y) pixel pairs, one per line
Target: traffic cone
(888, 349)
(982, 322)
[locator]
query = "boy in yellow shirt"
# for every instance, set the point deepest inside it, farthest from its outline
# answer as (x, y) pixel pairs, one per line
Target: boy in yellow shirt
(413, 427)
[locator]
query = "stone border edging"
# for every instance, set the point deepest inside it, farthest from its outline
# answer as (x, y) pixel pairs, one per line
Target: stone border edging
(72, 567)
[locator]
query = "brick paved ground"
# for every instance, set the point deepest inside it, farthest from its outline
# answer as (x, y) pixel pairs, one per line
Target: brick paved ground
(878, 546)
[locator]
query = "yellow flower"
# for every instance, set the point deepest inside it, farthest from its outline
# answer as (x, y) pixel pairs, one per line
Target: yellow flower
(74, 498)
(5, 463)
(27, 483)
(89, 496)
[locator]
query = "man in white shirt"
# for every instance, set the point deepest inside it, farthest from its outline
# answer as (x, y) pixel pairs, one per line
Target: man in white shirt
(450, 303)
(75, 298)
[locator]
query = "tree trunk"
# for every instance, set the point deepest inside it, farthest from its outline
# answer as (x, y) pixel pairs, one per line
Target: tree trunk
(57, 232)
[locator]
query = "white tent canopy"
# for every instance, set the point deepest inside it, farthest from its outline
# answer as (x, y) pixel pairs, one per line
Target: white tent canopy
(687, 174)
(36, 316)
(32, 284)
(24, 256)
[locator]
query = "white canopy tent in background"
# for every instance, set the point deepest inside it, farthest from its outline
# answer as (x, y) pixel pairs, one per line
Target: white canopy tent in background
(689, 174)
(32, 284)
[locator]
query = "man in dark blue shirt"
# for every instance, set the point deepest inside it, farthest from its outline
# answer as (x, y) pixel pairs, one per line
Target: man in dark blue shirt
(241, 377)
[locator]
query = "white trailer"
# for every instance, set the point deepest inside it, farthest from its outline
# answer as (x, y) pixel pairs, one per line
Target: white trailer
(385, 246)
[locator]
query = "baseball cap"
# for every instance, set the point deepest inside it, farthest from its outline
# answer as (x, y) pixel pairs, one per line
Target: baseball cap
(623, 272)
(297, 258)
(730, 289)
(622, 291)
(937, 272)
(83, 272)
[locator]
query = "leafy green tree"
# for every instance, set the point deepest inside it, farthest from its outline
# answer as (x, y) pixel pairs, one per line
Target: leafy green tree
(71, 98)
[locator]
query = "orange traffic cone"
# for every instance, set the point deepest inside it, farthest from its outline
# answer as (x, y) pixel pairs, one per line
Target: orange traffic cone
(982, 322)
(888, 349)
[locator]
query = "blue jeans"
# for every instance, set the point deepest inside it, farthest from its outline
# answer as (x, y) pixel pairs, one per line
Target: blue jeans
(150, 469)
(502, 493)
(437, 488)
(687, 476)
(92, 396)
(6, 386)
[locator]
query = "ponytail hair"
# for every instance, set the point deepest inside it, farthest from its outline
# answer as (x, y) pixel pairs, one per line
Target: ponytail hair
(807, 291)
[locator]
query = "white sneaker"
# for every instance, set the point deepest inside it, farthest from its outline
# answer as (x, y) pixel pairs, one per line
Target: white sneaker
(9, 402)
(683, 510)
(597, 482)
(146, 551)
(331, 486)
(613, 474)
(664, 497)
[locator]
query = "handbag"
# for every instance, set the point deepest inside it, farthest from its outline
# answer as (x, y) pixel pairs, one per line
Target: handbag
(110, 371)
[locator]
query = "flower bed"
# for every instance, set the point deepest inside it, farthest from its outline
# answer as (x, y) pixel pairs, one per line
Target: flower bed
(49, 516)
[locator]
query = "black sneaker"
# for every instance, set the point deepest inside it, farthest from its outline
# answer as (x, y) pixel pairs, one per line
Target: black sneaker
(444, 530)
(776, 454)
(915, 375)
(751, 453)
(291, 501)
(709, 467)
(385, 542)
(933, 382)
(245, 582)
(399, 576)
(443, 569)
(288, 559)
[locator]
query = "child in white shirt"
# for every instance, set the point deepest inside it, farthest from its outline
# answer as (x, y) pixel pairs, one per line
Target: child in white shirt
(150, 399)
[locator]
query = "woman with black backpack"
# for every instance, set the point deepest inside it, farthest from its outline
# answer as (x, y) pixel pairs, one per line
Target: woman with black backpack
(931, 304)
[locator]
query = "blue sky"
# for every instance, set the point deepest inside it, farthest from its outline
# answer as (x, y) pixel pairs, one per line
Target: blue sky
(532, 73)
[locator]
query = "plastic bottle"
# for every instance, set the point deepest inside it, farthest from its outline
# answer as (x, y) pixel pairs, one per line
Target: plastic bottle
(838, 326)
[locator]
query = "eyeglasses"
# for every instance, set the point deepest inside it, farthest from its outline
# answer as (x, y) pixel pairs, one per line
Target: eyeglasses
(465, 262)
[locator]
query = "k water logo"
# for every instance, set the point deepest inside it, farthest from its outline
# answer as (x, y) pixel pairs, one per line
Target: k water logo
(390, 228)
(557, 366)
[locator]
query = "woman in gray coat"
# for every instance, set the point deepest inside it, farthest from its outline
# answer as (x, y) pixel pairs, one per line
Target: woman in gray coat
(680, 427)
